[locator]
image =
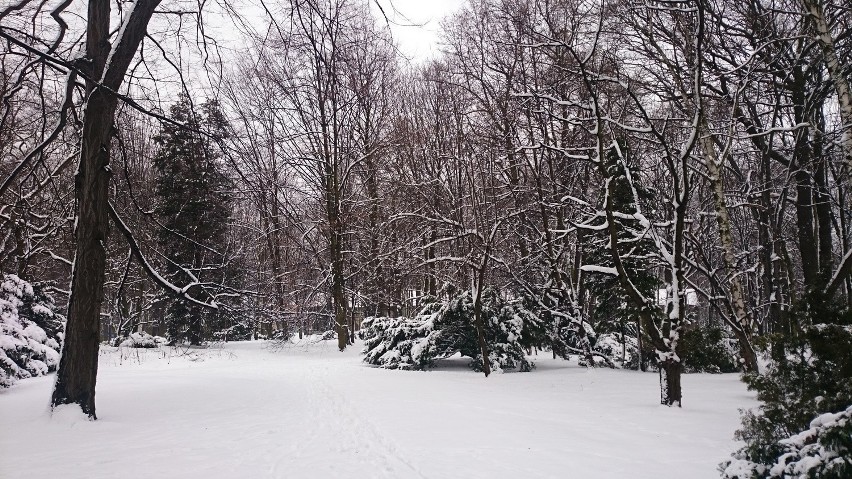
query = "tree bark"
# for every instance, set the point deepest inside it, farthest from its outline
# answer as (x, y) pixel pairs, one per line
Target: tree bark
(742, 326)
(816, 14)
(479, 324)
(670, 390)
(77, 374)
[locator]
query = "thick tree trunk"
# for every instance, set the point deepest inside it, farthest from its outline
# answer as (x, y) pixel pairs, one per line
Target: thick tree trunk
(77, 374)
(430, 283)
(339, 299)
(670, 390)
(78, 367)
(806, 231)
(376, 287)
(273, 228)
(823, 214)
(640, 345)
(338, 290)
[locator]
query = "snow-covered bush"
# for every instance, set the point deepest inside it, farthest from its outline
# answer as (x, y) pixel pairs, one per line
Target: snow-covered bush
(443, 328)
(239, 331)
(284, 334)
(703, 350)
(140, 340)
(559, 324)
(811, 379)
(30, 331)
(823, 451)
(621, 349)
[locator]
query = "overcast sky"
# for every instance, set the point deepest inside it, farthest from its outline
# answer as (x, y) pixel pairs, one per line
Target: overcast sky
(406, 16)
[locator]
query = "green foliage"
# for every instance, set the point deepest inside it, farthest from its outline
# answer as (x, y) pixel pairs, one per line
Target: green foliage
(813, 378)
(444, 328)
(709, 351)
(193, 208)
(31, 331)
(239, 331)
(559, 325)
(612, 309)
(822, 451)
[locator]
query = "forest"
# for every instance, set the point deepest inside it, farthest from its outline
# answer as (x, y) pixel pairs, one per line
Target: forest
(654, 185)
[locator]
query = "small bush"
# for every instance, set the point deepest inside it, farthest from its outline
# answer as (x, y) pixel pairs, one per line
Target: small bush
(140, 340)
(708, 350)
(444, 328)
(239, 331)
(812, 378)
(621, 350)
(280, 335)
(30, 331)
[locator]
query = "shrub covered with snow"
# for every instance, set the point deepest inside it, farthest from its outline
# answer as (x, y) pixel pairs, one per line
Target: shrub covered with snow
(30, 331)
(140, 340)
(823, 451)
(560, 325)
(443, 328)
(797, 431)
(621, 349)
(239, 331)
(703, 350)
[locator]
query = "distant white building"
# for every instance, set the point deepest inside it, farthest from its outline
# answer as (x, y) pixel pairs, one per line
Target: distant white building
(691, 297)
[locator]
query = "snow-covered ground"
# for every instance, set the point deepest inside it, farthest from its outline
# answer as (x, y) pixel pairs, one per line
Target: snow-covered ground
(309, 411)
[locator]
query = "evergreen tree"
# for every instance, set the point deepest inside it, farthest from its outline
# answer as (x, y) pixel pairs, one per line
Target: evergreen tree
(612, 309)
(193, 208)
(803, 427)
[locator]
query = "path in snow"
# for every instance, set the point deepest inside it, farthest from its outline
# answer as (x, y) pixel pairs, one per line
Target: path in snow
(313, 412)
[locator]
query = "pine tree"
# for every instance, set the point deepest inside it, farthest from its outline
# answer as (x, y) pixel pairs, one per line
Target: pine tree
(612, 309)
(193, 208)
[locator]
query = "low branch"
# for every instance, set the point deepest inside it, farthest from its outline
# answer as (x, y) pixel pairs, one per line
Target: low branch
(174, 290)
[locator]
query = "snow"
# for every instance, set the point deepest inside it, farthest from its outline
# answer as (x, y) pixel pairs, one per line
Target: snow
(593, 268)
(310, 411)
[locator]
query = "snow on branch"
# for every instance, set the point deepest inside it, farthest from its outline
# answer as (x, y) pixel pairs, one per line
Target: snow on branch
(177, 291)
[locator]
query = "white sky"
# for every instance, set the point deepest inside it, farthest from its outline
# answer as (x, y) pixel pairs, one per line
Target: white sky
(415, 23)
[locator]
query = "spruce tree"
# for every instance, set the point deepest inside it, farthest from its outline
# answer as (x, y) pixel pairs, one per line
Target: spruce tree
(193, 208)
(612, 309)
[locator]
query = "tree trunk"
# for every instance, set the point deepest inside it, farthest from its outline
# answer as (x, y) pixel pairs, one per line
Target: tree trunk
(339, 300)
(816, 14)
(639, 345)
(338, 292)
(742, 322)
(823, 213)
(670, 390)
(480, 329)
(78, 367)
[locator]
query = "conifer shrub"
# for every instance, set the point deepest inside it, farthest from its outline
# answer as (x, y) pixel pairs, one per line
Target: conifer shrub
(708, 350)
(139, 339)
(556, 322)
(31, 331)
(802, 428)
(443, 328)
(621, 349)
(239, 331)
